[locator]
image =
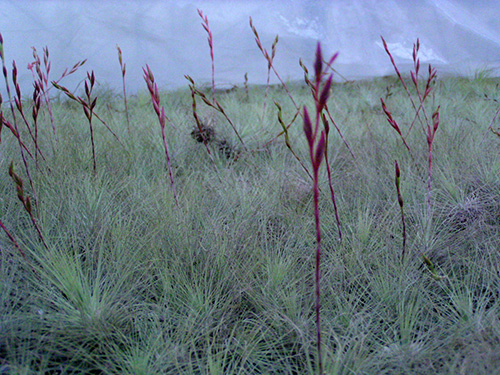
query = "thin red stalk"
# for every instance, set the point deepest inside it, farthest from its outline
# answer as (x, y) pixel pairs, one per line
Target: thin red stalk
(210, 38)
(109, 129)
(88, 108)
(195, 114)
(318, 273)
(269, 65)
(317, 149)
(327, 109)
(329, 171)
(245, 84)
(401, 204)
(162, 118)
(26, 201)
(13, 131)
(400, 76)
(490, 127)
(269, 60)
(21, 144)
(19, 106)
(430, 140)
(394, 124)
(123, 67)
(13, 240)
(165, 145)
(431, 129)
(34, 113)
(42, 79)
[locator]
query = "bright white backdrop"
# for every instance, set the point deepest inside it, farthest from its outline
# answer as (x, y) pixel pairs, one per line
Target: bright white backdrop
(457, 36)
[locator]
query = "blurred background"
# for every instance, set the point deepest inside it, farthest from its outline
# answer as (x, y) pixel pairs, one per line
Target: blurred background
(458, 37)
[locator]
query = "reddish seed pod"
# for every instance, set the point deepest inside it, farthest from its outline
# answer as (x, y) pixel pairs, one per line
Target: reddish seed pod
(435, 119)
(27, 205)
(413, 78)
(20, 193)
(14, 71)
(324, 94)
(400, 200)
(326, 125)
(318, 64)
(307, 126)
(320, 151)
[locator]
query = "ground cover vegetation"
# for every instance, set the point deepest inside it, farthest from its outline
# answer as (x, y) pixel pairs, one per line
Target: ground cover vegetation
(324, 226)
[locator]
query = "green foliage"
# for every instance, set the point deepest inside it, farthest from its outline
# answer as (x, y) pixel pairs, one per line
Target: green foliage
(222, 284)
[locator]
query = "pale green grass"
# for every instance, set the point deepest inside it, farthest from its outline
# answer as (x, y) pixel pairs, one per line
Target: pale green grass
(223, 284)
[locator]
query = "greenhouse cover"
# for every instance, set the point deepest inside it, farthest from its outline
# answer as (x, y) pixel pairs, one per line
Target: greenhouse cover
(458, 37)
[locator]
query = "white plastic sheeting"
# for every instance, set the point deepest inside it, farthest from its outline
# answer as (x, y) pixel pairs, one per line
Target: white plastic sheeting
(456, 36)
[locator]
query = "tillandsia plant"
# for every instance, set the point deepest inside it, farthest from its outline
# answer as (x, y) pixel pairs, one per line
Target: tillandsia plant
(429, 125)
(123, 68)
(317, 146)
(88, 106)
(210, 39)
(216, 105)
(162, 118)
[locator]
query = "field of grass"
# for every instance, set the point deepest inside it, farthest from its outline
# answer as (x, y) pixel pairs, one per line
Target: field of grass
(124, 280)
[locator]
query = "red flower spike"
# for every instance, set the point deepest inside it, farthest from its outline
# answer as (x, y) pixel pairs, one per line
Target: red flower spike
(324, 94)
(162, 117)
(318, 64)
(333, 58)
(320, 151)
(307, 126)
(435, 119)
(413, 78)
(326, 125)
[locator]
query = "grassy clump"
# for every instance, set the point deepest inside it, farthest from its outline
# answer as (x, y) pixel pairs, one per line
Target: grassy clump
(223, 282)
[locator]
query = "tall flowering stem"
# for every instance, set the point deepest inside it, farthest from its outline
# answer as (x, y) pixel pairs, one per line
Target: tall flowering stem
(316, 140)
(160, 112)
(123, 67)
(14, 128)
(210, 39)
(429, 125)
